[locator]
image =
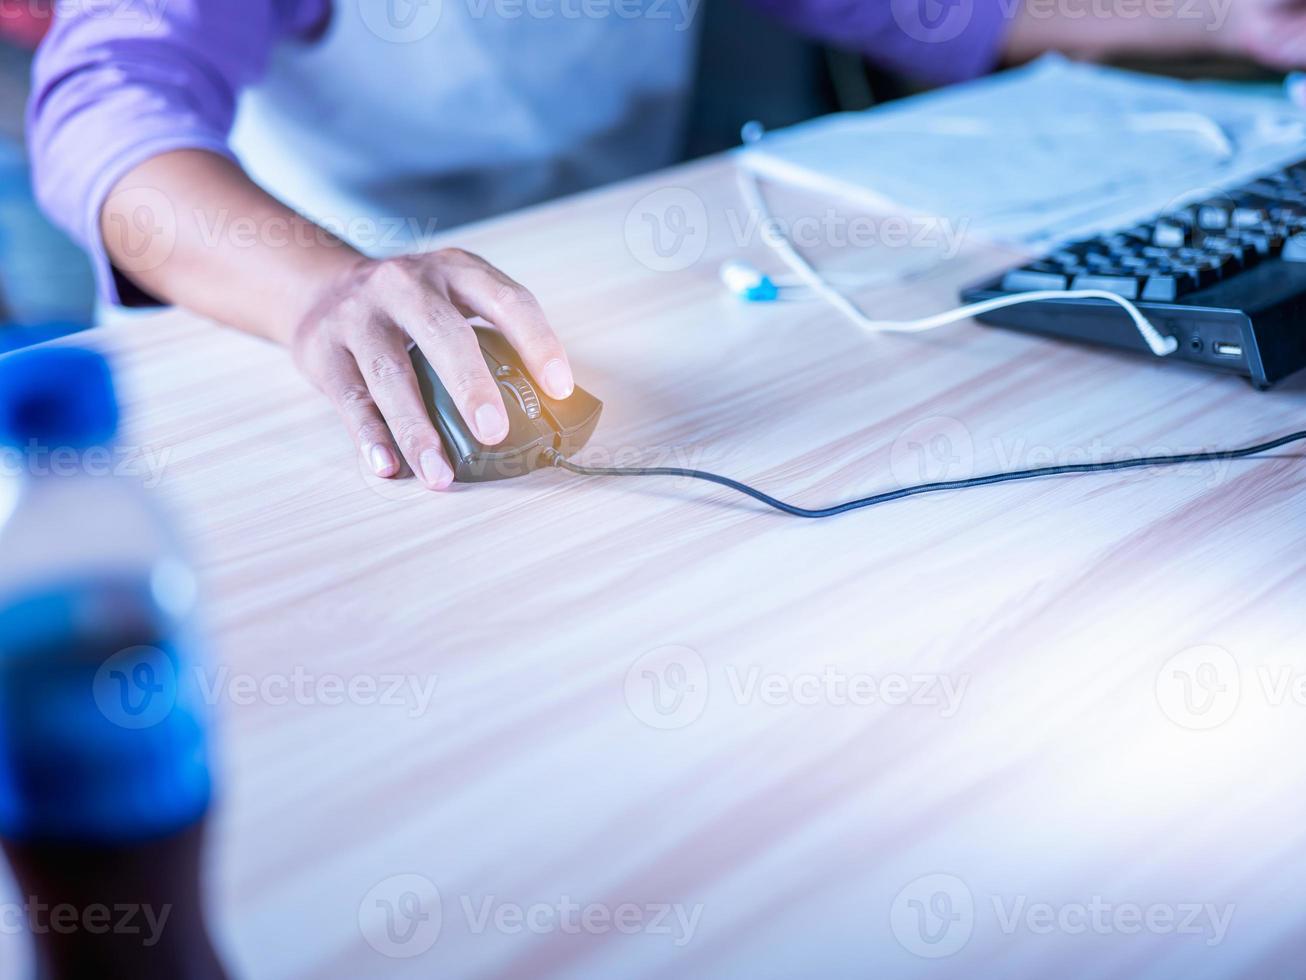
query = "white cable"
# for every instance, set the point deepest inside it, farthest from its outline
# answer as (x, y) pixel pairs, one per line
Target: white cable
(752, 194)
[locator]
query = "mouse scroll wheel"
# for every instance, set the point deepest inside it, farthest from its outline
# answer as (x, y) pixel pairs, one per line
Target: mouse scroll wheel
(521, 388)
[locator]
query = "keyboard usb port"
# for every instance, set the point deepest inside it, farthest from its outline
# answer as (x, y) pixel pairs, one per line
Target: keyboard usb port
(1224, 348)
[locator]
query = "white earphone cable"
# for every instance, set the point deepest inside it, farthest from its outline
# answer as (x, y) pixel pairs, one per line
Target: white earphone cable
(751, 192)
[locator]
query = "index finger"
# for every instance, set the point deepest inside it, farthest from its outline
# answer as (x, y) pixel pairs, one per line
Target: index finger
(481, 288)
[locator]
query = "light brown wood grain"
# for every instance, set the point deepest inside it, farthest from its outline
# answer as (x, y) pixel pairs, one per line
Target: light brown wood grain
(794, 821)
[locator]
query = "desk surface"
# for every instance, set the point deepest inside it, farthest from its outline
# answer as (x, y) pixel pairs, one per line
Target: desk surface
(646, 729)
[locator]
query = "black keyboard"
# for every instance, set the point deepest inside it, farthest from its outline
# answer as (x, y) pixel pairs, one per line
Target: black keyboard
(1226, 277)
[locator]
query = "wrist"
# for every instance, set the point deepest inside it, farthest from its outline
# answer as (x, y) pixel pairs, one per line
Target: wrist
(330, 283)
(324, 272)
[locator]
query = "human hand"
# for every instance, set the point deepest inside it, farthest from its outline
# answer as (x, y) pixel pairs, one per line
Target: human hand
(1272, 32)
(353, 345)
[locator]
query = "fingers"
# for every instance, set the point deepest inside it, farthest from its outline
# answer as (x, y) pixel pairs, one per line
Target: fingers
(449, 343)
(383, 366)
(344, 386)
(480, 288)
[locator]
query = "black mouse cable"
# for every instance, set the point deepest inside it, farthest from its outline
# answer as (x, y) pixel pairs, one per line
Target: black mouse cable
(558, 460)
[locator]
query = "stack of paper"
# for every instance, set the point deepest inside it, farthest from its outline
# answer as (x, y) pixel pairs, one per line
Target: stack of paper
(1048, 152)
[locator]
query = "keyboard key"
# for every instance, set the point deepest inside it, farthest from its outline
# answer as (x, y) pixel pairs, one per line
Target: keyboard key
(1204, 274)
(1214, 217)
(1231, 253)
(1126, 286)
(1267, 244)
(1294, 249)
(1171, 234)
(1248, 216)
(1163, 288)
(1026, 280)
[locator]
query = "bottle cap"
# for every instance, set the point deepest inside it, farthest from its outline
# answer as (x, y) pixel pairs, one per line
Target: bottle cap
(56, 397)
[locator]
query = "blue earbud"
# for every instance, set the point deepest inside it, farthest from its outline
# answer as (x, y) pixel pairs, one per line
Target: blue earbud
(748, 283)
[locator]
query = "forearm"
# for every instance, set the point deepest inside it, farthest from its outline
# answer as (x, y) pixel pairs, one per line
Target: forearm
(190, 228)
(1104, 28)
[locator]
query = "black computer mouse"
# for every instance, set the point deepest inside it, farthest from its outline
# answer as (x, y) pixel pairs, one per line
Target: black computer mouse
(536, 422)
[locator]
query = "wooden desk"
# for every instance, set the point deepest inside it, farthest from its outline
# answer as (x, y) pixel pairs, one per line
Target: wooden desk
(762, 779)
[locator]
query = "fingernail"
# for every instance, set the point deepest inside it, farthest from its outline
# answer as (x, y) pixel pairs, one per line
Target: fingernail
(490, 425)
(557, 379)
(383, 461)
(435, 470)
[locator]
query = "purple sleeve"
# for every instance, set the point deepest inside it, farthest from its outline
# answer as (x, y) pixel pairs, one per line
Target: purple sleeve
(932, 40)
(115, 85)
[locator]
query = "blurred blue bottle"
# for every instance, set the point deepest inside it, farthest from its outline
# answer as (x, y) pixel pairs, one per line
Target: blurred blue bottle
(104, 770)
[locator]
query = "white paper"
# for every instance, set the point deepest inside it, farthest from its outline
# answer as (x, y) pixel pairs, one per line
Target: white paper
(1045, 153)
